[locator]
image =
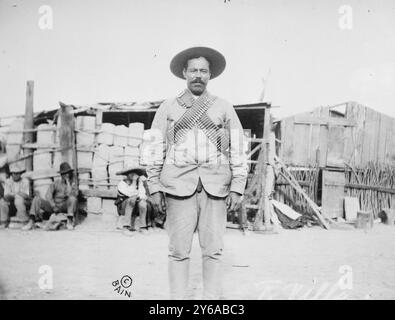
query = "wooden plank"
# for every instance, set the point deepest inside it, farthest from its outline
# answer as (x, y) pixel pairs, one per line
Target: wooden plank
(314, 150)
(376, 135)
(325, 121)
(66, 135)
(391, 145)
(333, 186)
(351, 208)
(335, 147)
(369, 187)
(14, 141)
(281, 137)
(323, 146)
(34, 145)
(264, 209)
(383, 137)
(368, 138)
(31, 130)
(100, 193)
(301, 144)
(42, 174)
(28, 136)
(288, 138)
(357, 113)
(99, 119)
(349, 146)
(360, 134)
(253, 151)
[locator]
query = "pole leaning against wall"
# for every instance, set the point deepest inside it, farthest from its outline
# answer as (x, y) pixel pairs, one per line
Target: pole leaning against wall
(28, 133)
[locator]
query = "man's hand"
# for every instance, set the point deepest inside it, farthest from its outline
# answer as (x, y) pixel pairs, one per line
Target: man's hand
(233, 201)
(159, 202)
(23, 195)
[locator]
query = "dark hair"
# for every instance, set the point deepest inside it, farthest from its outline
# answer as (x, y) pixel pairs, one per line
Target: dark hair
(195, 57)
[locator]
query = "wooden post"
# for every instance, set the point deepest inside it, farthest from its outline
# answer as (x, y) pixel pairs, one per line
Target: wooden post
(264, 202)
(99, 119)
(267, 183)
(67, 137)
(28, 136)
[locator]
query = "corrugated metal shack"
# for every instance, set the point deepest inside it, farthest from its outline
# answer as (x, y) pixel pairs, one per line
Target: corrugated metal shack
(338, 151)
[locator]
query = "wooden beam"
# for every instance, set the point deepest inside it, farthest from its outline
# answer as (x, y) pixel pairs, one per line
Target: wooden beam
(323, 121)
(34, 145)
(368, 187)
(100, 193)
(28, 136)
(269, 176)
(67, 137)
(264, 202)
(292, 181)
(30, 130)
(253, 151)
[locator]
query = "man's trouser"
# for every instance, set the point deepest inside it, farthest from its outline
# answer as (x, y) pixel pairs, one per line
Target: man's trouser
(207, 214)
(17, 204)
(69, 206)
(126, 210)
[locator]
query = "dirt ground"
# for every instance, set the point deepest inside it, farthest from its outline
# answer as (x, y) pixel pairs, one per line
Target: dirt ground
(294, 264)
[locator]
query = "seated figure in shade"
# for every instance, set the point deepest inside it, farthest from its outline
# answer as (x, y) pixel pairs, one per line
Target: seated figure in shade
(60, 202)
(16, 198)
(132, 201)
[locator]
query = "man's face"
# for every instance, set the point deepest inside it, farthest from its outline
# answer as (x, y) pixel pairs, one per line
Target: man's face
(132, 176)
(197, 74)
(66, 176)
(16, 176)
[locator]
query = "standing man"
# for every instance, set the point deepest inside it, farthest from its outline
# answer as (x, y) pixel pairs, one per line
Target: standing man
(199, 169)
(60, 201)
(16, 196)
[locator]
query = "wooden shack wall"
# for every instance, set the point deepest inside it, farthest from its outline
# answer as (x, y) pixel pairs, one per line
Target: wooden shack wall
(362, 136)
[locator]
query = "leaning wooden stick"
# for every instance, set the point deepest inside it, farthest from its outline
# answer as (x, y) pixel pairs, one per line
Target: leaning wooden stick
(292, 181)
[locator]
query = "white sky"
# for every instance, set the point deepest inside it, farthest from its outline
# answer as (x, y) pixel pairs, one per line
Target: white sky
(101, 50)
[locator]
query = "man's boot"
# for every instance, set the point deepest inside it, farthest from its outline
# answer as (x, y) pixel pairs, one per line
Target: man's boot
(119, 225)
(70, 223)
(29, 225)
(3, 224)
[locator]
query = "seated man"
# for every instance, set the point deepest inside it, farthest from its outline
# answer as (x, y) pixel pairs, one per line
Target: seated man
(60, 201)
(16, 197)
(131, 196)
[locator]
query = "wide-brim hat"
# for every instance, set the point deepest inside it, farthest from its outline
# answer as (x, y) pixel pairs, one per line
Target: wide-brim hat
(137, 169)
(65, 168)
(216, 59)
(17, 167)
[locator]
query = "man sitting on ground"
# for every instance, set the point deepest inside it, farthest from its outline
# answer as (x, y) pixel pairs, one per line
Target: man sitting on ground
(60, 201)
(131, 196)
(16, 197)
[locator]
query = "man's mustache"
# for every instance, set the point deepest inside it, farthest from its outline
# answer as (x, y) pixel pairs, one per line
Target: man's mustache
(197, 81)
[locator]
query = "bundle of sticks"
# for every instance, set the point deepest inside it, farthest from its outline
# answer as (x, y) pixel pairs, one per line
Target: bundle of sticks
(373, 185)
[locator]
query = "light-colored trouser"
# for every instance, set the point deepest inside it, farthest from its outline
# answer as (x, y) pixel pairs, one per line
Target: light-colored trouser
(69, 206)
(20, 205)
(127, 208)
(207, 214)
